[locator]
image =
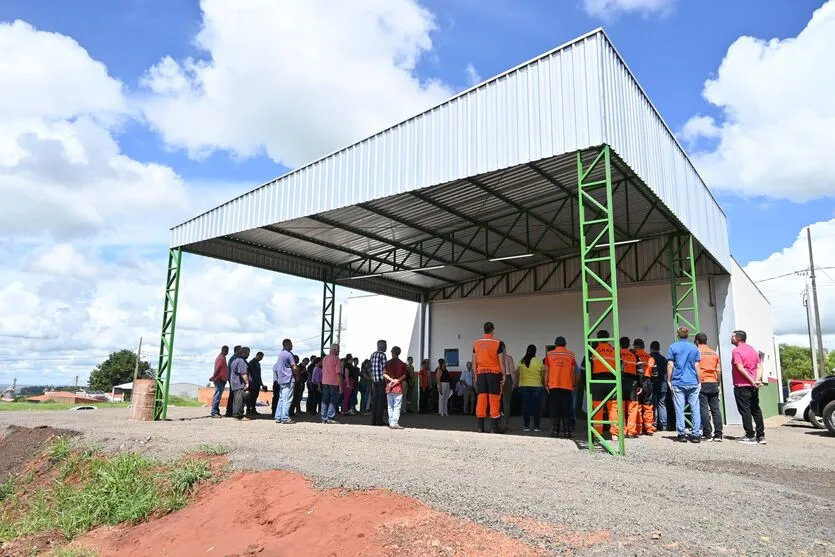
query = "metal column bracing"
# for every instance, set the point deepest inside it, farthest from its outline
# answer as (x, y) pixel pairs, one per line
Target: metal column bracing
(328, 307)
(683, 283)
(169, 325)
(600, 287)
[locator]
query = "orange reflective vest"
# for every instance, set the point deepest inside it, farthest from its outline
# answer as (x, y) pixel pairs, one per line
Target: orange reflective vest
(560, 367)
(607, 352)
(629, 361)
(486, 355)
(709, 364)
(644, 358)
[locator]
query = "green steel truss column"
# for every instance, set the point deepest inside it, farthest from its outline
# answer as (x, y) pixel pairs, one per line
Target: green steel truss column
(166, 344)
(600, 288)
(683, 283)
(328, 306)
(683, 289)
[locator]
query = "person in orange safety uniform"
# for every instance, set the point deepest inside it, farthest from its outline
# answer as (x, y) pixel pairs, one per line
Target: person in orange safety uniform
(487, 356)
(560, 375)
(602, 370)
(646, 415)
(629, 384)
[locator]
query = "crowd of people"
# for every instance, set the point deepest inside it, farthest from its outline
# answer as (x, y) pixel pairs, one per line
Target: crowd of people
(689, 374)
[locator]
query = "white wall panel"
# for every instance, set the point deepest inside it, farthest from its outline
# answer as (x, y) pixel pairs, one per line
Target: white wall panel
(645, 312)
(752, 313)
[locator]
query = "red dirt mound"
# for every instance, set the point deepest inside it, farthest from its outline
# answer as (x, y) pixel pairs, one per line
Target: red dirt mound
(277, 514)
(21, 445)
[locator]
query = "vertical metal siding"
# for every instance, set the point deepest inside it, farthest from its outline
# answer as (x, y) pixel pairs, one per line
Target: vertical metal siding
(638, 134)
(543, 108)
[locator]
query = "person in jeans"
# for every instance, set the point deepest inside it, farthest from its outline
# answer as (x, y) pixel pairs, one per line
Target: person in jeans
(239, 383)
(531, 375)
(219, 378)
(314, 387)
(467, 382)
(709, 393)
(658, 372)
(378, 386)
(331, 386)
(747, 377)
(394, 375)
(284, 372)
(442, 379)
(683, 373)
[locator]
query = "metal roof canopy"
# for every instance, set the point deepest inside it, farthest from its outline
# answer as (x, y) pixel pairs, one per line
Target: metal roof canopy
(428, 209)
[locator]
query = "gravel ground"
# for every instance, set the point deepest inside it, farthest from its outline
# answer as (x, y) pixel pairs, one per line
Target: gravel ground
(662, 498)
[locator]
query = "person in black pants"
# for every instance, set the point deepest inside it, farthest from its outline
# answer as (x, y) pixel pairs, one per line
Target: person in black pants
(255, 383)
(298, 387)
(235, 355)
(747, 376)
(378, 387)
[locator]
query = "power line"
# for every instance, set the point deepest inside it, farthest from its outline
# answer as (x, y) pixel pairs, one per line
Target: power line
(801, 272)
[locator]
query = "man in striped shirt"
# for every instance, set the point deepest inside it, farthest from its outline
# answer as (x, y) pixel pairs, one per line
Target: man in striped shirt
(378, 386)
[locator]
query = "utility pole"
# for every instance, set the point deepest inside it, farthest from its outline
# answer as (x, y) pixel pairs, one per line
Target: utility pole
(138, 357)
(821, 355)
(339, 328)
(815, 372)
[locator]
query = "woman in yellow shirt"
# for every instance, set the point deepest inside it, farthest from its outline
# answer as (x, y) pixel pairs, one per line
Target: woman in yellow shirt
(531, 375)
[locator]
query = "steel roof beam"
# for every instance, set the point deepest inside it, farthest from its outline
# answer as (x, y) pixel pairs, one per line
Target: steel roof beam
(397, 267)
(394, 243)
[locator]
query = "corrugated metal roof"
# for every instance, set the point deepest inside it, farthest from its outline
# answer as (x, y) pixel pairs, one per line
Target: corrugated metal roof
(489, 173)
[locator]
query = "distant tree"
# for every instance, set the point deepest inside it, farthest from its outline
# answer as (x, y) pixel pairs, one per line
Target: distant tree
(118, 368)
(796, 362)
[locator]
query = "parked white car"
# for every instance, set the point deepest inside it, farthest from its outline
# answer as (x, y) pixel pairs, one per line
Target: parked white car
(797, 407)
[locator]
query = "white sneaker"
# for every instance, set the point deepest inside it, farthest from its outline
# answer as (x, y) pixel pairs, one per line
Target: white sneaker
(526, 429)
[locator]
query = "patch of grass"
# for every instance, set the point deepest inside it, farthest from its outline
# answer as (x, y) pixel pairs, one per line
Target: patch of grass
(183, 401)
(214, 449)
(7, 488)
(60, 450)
(93, 489)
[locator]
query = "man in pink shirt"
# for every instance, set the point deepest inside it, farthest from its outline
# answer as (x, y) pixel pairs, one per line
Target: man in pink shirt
(219, 378)
(747, 377)
(331, 385)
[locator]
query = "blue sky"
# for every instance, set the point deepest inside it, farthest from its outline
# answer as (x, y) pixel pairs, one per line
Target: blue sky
(128, 85)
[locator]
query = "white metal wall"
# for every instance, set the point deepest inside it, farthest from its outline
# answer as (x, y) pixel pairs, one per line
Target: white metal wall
(753, 315)
(636, 131)
(369, 318)
(645, 312)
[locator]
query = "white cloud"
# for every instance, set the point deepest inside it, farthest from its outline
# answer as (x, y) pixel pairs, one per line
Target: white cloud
(64, 261)
(607, 9)
(777, 125)
(294, 79)
(785, 293)
(473, 77)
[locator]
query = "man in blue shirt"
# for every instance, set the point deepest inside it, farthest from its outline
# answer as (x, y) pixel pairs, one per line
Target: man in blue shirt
(284, 372)
(684, 378)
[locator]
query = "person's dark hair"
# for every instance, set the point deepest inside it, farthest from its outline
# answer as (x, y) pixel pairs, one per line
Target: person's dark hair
(441, 361)
(529, 354)
(381, 345)
(624, 342)
(224, 347)
(741, 336)
(560, 341)
(238, 347)
(296, 358)
(638, 343)
(683, 333)
(286, 342)
(489, 328)
(259, 354)
(701, 338)
(602, 334)
(655, 346)
(396, 351)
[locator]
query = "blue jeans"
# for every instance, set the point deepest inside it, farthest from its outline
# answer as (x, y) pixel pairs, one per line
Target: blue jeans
(365, 394)
(530, 405)
(659, 401)
(395, 401)
(330, 394)
(690, 395)
(285, 396)
(220, 385)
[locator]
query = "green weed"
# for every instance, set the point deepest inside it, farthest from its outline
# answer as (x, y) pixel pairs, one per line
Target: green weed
(214, 449)
(7, 488)
(60, 449)
(73, 552)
